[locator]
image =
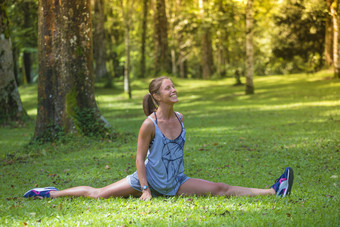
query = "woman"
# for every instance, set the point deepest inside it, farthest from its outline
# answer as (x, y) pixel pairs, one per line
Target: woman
(159, 161)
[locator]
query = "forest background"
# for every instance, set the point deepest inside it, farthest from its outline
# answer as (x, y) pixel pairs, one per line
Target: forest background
(283, 55)
(290, 36)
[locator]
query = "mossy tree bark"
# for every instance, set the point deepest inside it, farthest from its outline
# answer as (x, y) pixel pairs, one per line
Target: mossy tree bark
(10, 102)
(66, 100)
(249, 48)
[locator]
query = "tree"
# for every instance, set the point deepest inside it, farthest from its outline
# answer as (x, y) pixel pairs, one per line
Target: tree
(249, 49)
(99, 42)
(10, 102)
(207, 56)
(126, 10)
(335, 17)
(329, 35)
(162, 56)
(144, 30)
(66, 100)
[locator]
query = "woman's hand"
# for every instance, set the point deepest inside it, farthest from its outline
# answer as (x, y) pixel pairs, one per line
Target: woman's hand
(146, 195)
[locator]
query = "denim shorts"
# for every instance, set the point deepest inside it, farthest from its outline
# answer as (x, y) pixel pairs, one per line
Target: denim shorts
(135, 184)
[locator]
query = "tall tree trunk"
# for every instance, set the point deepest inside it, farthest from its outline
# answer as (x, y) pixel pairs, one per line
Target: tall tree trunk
(172, 12)
(126, 16)
(27, 63)
(99, 42)
(181, 59)
(15, 65)
(329, 36)
(162, 58)
(66, 100)
(10, 102)
(127, 86)
(144, 27)
(207, 56)
(335, 16)
(249, 48)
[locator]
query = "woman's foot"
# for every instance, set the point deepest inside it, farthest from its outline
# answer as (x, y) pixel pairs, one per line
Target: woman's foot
(283, 185)
(40, 192)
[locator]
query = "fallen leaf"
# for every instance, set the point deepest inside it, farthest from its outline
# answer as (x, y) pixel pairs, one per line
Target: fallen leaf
(329, 196)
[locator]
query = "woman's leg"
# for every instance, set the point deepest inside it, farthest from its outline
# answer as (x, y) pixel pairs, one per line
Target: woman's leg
(202, 187)
(118, 189)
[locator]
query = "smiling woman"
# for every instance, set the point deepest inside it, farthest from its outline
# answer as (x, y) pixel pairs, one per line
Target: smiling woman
(160, 159)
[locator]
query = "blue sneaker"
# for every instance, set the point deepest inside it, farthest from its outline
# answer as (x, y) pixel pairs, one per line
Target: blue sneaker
(40, 192)
(283, 185)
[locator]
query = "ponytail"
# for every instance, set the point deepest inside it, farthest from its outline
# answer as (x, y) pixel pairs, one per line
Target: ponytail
(149, 104)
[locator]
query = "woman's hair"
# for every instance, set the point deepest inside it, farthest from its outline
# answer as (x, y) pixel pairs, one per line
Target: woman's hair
(149, 103)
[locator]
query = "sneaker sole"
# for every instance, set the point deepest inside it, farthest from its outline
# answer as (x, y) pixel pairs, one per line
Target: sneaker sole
(290, 181)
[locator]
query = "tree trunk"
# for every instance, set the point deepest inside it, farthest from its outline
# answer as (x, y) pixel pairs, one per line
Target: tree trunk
(249, 49)
(127, 86)
(10, 102)
(207, 56)
(144, 27)
(99, 44)
(66, 100)
(162, 56)
(15, 66)
(27, 63)
(329, 36)
(126, 17)
(335, 16)
(27, 67)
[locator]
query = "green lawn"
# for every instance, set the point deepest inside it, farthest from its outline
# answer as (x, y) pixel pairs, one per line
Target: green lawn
(292, 120)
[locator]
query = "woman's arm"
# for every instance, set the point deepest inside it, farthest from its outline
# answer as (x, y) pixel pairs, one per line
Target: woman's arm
(146, 133)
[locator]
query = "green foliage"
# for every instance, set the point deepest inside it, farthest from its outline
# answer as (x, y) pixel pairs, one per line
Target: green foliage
(241, 140)
(4, 20)
(300, 35)
(23, 16)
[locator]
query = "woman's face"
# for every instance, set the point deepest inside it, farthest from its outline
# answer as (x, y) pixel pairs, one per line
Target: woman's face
(167, 92)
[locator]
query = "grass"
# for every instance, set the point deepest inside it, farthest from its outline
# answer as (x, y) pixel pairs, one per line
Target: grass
(292, 120)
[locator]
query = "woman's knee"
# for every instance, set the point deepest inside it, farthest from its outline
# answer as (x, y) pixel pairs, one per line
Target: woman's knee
(94, 192)
(220, 189)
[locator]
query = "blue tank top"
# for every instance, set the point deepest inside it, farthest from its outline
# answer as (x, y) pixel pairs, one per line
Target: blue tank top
(165, 162)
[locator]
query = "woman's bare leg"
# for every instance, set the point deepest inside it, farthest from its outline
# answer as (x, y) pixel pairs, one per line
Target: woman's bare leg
(118, 189)
(202, 187)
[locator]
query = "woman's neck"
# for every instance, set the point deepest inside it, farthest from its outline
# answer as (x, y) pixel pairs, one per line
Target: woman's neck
(165, 111)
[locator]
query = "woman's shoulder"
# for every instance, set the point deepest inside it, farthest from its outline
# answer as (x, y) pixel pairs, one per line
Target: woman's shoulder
(148, 123)
(181, 115)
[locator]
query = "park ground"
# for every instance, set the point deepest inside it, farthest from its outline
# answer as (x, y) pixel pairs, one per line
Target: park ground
(291, 120)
